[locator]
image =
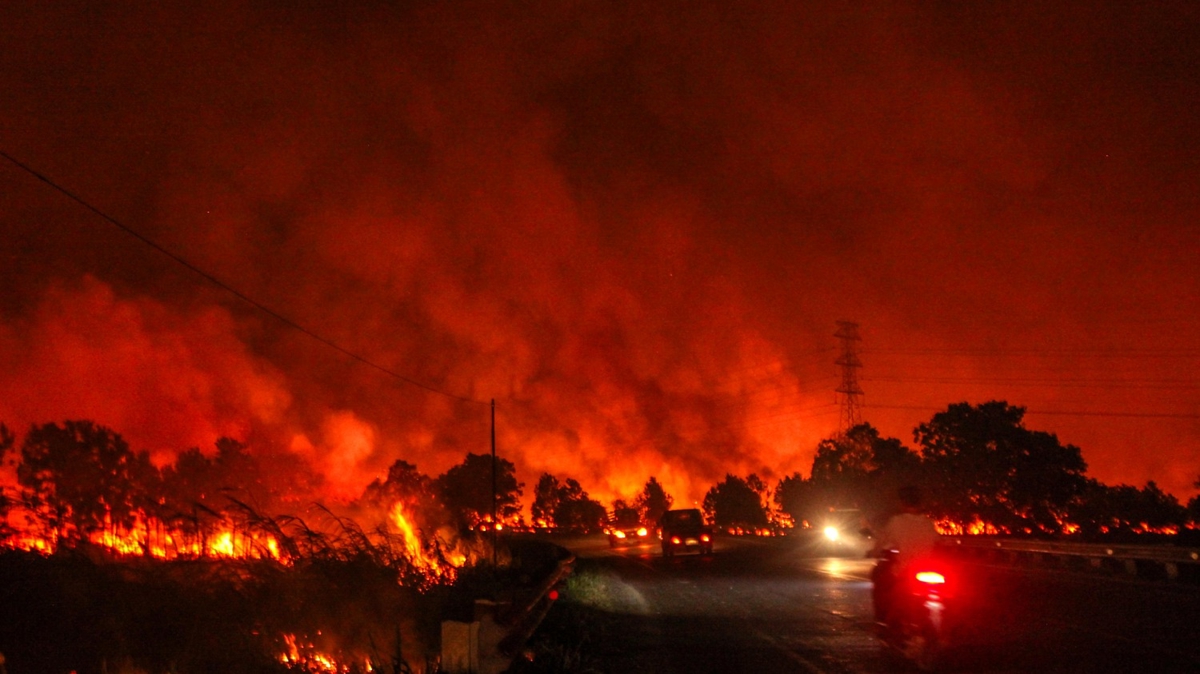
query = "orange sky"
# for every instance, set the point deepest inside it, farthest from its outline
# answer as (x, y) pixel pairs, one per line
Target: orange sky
(633, 224)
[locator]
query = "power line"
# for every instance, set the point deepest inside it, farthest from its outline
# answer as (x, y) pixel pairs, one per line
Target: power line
(1067, 413)
(1035, 353)
(224, 286)
(1163, 384)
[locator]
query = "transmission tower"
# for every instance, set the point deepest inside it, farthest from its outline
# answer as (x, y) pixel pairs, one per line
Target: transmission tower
(849, 394)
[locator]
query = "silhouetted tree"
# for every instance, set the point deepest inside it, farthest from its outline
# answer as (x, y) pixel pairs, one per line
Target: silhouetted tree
(982, 463)
(193, 495)
(76, 475)
(860, 470)
(577, 511)
(653, 501)
(1193, 505)
(565, 505)
(404, 483)
(798, 498)
(466, 489)
(1105, 509)
(7, 441)
(737, 502)
(545, 499)
(412, 490)
(246, 477)
(191, 481)
(624, 514)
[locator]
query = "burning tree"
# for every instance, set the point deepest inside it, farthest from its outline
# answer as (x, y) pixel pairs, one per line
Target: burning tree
(81, 478)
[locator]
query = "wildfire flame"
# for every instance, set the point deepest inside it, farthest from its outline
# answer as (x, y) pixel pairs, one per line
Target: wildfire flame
(302, 655)
(948, 527)
(150, 537)
(429, 559)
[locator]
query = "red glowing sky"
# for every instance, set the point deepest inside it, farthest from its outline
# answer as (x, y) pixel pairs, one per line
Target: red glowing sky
(632, 224)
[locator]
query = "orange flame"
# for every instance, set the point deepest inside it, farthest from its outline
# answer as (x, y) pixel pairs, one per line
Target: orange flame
(302, 655)
(443, 567)
(149, 537)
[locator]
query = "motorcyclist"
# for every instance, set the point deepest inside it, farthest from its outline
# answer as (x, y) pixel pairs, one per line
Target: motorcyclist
(912, 536)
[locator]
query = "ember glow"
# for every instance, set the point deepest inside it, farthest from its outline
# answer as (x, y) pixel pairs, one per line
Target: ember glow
(632, 224)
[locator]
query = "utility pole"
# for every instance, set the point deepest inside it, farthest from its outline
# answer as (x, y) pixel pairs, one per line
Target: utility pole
(495, 522)
(850, 395)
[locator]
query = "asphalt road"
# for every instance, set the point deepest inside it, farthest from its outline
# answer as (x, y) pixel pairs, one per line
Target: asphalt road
(787, 605)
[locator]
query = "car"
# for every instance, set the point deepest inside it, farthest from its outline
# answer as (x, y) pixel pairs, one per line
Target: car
(628, 534)
(840, 531)
(684, 530)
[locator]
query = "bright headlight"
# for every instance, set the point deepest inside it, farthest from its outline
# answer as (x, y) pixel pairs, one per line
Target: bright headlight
(831, 533)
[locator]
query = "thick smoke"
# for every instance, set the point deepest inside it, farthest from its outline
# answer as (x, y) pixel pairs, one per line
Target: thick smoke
(633, 225)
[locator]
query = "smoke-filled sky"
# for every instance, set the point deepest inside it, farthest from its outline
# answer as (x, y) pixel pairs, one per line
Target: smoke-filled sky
(632, 224)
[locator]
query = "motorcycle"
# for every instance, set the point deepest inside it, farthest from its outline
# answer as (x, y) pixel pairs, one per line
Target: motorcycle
(912, 610)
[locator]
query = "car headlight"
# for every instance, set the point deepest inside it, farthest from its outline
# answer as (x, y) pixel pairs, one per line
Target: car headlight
(831, 533)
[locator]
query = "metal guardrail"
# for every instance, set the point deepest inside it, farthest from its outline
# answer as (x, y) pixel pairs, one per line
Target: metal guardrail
(526, 617)
(1132, 558)
(488, 643)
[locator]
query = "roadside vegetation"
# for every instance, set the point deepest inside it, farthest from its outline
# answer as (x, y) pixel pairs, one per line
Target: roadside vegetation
(222, 561)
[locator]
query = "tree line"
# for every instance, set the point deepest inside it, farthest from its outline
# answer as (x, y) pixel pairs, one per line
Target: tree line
(980, 468)
(78, 479)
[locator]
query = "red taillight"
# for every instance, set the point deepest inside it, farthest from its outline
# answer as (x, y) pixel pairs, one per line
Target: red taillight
(931, 577)
(704, 537)
(675, 540)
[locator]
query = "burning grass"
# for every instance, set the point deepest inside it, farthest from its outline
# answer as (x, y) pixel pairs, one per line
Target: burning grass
(264, 595)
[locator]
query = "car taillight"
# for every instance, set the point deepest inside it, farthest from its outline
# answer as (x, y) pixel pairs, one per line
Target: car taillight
(931, 577)
(642, 531)
(704, 537)
(675, 540)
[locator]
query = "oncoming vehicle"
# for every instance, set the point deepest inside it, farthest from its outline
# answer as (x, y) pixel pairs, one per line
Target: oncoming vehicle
(631, 532)
(685, 531)
(840, 531)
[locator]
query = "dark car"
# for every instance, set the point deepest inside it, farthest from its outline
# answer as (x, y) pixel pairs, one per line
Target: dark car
(685, 531)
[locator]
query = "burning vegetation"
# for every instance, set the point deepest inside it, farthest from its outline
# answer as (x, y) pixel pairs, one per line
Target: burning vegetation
(111, 545)
(107, 544)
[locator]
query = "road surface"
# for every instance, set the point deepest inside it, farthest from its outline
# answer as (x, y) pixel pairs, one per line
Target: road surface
(785, 605)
